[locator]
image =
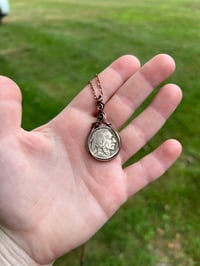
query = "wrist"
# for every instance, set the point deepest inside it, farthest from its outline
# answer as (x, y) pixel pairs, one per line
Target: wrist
(12, 254)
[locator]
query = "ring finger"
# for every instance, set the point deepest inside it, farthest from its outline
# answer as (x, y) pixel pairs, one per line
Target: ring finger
(145, 126)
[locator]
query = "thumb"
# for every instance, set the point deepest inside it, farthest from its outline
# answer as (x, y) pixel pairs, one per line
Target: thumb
(10, 106)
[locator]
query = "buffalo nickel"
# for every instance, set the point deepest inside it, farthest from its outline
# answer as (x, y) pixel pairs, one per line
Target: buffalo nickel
(103, 143)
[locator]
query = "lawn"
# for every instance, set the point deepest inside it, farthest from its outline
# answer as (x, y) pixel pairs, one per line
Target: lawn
(52, 48)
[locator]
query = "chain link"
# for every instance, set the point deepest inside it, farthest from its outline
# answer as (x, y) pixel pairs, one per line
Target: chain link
(99, 88)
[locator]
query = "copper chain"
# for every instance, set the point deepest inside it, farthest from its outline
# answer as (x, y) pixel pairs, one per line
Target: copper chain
(99, 87)
(82, 256)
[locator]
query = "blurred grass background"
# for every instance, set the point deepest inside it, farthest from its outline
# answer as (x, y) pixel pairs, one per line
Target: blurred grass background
(52, 48)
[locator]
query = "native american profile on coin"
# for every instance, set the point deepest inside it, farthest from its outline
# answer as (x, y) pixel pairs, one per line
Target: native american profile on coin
(104, 143)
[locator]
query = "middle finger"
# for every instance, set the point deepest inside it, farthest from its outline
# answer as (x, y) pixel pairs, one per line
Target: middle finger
(137, 88)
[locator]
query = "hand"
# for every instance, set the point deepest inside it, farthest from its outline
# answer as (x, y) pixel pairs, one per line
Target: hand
(53, 195)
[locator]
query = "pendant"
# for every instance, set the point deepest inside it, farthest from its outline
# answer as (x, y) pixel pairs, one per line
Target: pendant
(103, 141)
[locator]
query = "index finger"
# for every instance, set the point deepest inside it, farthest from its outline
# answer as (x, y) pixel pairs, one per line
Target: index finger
(111, 78)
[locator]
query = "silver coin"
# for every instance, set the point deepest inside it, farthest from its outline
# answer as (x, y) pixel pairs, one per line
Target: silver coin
(104, 143)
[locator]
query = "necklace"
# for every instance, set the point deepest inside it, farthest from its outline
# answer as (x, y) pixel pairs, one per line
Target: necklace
(103, 141)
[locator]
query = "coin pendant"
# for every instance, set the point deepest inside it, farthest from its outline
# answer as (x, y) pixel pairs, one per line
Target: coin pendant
(104, 142)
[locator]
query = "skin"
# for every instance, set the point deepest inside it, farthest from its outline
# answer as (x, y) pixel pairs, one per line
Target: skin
(53, 195)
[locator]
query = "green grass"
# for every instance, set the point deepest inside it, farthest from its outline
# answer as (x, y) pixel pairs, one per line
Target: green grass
(51, 48)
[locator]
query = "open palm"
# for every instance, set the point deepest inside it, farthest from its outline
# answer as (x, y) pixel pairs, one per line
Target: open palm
(53, 195)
